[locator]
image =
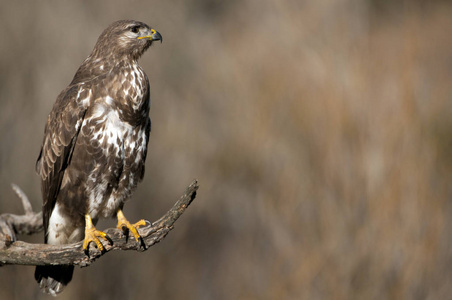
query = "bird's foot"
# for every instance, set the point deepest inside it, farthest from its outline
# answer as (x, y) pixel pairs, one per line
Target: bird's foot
(125, 226)
(93, 235)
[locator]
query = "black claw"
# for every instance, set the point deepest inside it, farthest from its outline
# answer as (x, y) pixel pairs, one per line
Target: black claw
(141, 244)
(124, 230)
(110, 241)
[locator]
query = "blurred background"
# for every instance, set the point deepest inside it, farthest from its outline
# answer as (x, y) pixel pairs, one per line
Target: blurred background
(320, 133)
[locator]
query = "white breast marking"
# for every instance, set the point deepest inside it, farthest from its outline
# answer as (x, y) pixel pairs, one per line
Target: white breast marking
(113, 133)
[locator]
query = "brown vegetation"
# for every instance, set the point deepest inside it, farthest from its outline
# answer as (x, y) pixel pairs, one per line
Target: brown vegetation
(320, 132)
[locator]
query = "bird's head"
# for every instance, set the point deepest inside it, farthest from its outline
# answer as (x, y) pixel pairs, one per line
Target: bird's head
(126, 38)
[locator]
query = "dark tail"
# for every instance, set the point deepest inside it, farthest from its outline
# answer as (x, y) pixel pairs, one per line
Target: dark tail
(53, 279)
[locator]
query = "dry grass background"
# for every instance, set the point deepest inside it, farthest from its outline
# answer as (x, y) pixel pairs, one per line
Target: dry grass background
(320, 132)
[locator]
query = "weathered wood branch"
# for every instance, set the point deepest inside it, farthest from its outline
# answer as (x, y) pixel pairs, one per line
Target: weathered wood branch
(21, 253)
(11, 224)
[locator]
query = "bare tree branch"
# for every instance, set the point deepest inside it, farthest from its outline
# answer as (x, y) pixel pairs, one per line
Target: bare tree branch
(21, 253)
(11, 224)
(25, 202)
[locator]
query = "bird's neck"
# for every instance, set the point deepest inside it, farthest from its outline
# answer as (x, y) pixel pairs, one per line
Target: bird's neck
(129, 90)
(94, 66)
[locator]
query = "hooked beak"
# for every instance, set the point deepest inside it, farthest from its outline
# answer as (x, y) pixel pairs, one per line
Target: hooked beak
(154, 36)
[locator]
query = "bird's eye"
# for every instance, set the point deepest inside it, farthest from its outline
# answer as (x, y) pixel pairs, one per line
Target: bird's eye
(135, 29)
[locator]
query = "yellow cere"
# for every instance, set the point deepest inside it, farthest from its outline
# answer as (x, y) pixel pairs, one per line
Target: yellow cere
(147, 36)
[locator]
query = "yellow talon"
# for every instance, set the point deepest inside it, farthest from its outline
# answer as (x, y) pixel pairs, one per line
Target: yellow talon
(122, 222)
(93, 235)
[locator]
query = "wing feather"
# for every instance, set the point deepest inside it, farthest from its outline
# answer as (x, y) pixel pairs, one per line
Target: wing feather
(60, 135)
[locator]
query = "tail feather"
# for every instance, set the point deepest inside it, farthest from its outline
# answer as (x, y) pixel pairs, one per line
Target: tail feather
(53, 279)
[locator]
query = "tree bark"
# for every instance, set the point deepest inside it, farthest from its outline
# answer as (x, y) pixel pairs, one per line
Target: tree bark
(21, 253)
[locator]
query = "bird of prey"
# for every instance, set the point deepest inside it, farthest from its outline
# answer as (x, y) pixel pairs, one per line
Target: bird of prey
(95, 144)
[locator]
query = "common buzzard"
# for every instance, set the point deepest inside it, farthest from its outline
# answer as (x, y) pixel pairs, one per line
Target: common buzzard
(95, 144)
